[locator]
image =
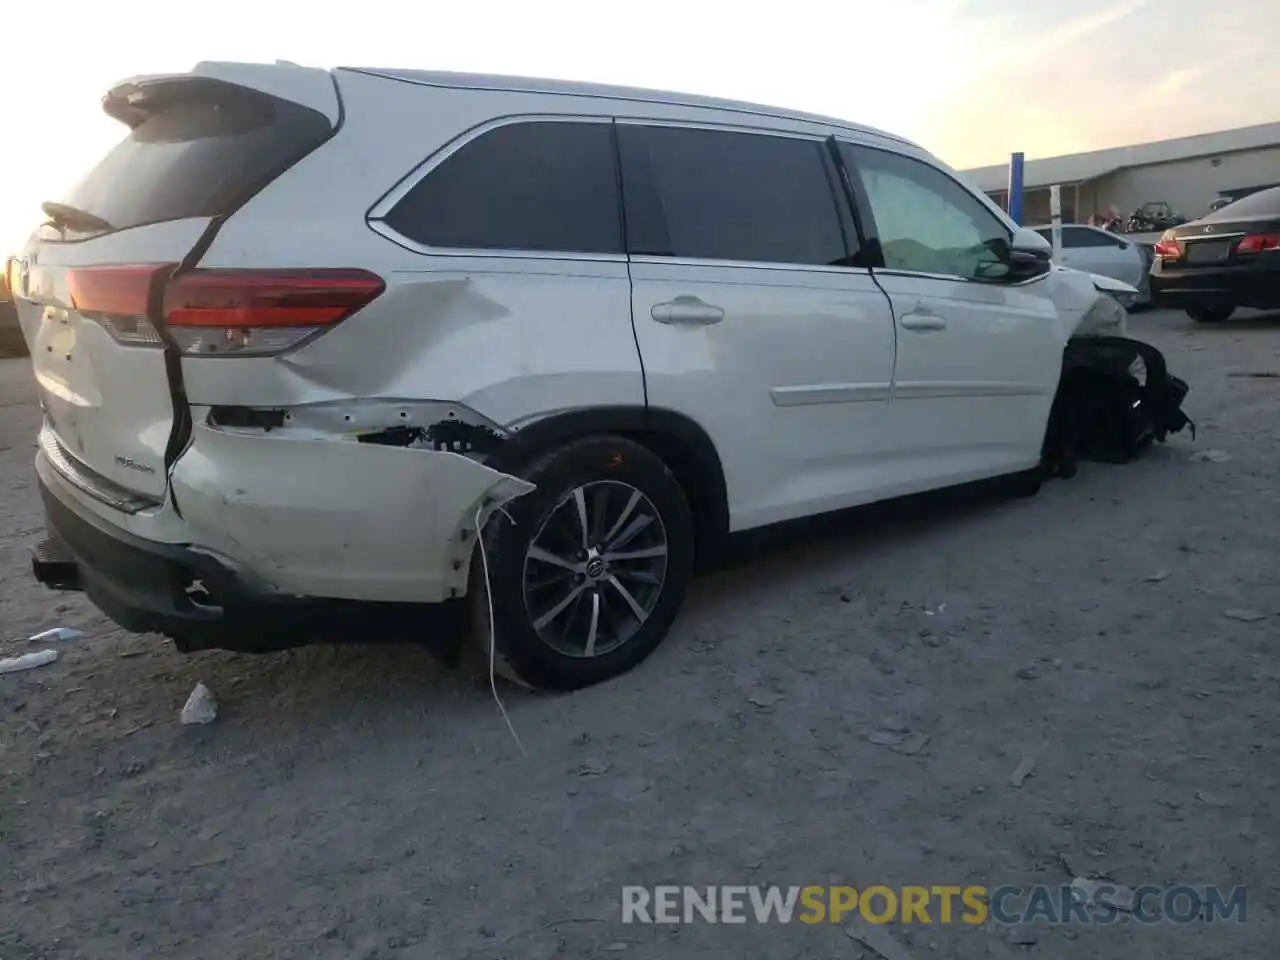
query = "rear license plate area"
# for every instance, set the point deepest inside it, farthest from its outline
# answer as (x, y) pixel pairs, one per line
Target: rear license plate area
(1208, 251)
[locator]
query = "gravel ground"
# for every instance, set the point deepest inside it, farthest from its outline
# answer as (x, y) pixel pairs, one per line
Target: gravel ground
(358, 802)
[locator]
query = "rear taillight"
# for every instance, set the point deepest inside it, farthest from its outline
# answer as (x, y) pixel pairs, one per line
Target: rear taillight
(259, 312)
(223, 312)
(1168, 249)
(117, 297)
(1256, 243)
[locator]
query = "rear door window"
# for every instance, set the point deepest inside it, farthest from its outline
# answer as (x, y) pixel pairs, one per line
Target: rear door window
(536, 185)
(725, 195)
(198, 157)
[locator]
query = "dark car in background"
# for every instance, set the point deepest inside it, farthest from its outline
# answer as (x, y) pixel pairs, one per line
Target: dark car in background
(1227, 259)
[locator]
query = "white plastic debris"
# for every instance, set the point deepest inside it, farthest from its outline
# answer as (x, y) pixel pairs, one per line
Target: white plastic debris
(28, 661)
(1211, 456)
(876, 939)
(201, 706)
(1104, 893)
(56, 634)
(1245, 616)
(1025, 766)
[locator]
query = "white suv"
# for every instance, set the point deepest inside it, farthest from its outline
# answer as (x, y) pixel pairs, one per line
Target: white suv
(303, 334)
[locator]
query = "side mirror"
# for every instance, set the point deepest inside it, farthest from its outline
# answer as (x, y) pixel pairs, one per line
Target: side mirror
(1030, 254)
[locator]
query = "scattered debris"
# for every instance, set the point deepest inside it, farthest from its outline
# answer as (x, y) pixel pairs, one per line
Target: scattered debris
(1158, 576)
(28, 661)
(1211, 456)
(1247, 616)
(764, 700)
(934, 613)
(1105, 893)
(592, 768)
(1024, 768)
(877, 939)
(1021, 936)
(56, 634)
(1209, 800)
(1029, 672)
(201, 707)
(900, 741)
(887, 738)
(913, 744)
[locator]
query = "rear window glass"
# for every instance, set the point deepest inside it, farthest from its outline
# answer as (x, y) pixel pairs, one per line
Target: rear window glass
(1264, 203)
(198, 159)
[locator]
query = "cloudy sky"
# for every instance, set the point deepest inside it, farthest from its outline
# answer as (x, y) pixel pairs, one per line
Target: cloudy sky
(972, 80)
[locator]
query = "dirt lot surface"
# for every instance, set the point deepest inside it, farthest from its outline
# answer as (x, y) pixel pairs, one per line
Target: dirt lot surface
(358, 802)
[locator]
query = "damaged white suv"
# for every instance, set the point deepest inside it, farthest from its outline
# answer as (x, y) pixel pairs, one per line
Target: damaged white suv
(306, 339)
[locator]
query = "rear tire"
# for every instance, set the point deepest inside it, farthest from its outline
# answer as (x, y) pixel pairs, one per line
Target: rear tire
(1210, 313)
(568, 616)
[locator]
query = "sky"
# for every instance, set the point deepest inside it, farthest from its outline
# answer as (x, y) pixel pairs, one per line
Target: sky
(971, 80)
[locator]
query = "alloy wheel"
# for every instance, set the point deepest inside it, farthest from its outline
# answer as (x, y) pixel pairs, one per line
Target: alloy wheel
(595, 569)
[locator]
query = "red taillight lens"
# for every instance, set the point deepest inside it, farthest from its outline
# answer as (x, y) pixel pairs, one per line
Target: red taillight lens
(117, 297)
(259, 312)
(119, 291)
(1257, 243)
(1168, 249)
(215, 312)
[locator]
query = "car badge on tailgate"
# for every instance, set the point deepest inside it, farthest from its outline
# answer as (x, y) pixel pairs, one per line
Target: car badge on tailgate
(132, 464)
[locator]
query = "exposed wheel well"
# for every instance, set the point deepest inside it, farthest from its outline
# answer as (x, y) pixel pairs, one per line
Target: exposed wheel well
(680, 442)
(699, 489)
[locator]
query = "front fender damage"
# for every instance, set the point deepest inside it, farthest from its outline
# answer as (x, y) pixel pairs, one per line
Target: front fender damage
(360, 500)
(1115, 395)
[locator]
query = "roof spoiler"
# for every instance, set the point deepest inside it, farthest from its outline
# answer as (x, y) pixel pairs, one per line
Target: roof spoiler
(133, 100)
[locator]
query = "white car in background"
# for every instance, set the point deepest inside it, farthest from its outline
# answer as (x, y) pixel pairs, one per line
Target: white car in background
(1101, 252)
(311, 340)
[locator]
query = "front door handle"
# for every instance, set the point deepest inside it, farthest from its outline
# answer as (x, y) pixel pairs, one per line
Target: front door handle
(923, 321)
(686, 310)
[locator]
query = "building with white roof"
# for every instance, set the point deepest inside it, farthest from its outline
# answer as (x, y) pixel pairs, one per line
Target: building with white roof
(1188, 173)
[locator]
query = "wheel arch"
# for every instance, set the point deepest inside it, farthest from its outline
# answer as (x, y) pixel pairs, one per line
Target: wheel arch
(682, 444)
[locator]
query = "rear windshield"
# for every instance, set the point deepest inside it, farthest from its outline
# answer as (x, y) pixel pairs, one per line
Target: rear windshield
(1264, 203)
(198, 159)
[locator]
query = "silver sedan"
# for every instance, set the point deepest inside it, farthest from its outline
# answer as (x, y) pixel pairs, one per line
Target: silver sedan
(1099, 251)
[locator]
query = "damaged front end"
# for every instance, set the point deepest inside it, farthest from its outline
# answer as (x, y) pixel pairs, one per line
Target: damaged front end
(1115, 395)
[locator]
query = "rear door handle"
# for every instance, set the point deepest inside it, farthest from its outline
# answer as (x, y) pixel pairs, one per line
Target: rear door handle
(687, 310)
(923, 321)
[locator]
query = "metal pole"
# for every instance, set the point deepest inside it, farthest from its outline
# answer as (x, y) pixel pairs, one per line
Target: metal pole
(1015, 188)
(1055, 219)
